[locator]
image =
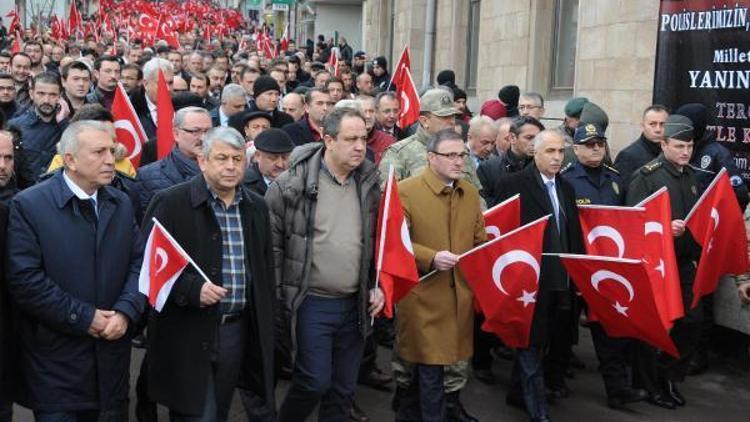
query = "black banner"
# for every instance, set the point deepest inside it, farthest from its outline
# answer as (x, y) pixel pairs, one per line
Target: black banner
(703, 56)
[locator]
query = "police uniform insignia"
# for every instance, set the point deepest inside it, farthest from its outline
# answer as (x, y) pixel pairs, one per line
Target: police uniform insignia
(583, 201)
(694, 190)
(612, 169)
(650, 167)
(567, 167)
(705, 161)
(735, 181)
(590, 130)
(616, 188)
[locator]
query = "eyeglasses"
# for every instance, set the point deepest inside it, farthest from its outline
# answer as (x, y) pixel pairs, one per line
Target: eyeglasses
(597, 143)
(195, 131)
(527, 107)
(453, 156)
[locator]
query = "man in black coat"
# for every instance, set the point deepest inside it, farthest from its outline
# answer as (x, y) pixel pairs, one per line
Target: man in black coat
(647, 147)
(273, 149)
(213, 336)
(543, 192)
(6, 406)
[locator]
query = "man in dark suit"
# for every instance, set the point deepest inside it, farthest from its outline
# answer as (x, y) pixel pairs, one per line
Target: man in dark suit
(273, 149)
(213, 336)
(543, 192)
(77, 306)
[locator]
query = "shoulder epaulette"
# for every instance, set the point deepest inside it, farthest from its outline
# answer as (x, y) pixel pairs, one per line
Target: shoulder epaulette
(651, 167)
(567, 167)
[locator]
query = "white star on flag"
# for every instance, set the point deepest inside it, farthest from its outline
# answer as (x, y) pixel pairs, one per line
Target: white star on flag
(527, 298)
(620, 309)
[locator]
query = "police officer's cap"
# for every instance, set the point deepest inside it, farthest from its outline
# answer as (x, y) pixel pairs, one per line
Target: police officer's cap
(678, 127)
(588, 132)
(274, 141)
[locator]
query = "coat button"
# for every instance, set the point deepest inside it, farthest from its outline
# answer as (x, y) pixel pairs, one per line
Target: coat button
(74, 317)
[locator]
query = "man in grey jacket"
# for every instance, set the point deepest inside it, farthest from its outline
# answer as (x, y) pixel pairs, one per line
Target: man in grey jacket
(323, 215)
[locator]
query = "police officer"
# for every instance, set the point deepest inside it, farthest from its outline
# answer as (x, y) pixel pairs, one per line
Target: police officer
(598, 183)
(671, 169)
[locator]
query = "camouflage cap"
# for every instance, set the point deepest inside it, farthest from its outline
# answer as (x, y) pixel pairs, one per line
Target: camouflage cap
(678, 127)
(438, 102)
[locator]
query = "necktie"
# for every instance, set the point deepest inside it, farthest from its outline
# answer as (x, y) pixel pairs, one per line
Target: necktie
(553, 199)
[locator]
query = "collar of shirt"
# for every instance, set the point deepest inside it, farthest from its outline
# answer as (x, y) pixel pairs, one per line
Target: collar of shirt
(151, 109)
(324, 170)
(546, 179)
(267, 180)
(77, 191)
(223, 118)
(237, 196)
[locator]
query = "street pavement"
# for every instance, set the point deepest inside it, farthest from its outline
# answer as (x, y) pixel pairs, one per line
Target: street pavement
(722, 394)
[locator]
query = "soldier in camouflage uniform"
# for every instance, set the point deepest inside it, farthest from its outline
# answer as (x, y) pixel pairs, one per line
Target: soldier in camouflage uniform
(408, 158)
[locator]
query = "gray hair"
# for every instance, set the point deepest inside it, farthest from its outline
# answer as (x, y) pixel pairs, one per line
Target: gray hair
(332, 122)
(442, 136)
(354, 104)
(69, 140)
(535, 97)
(232, 91)
(478, 122)
(152, 67)
(544, 135)
(181, 114)
(223, 134)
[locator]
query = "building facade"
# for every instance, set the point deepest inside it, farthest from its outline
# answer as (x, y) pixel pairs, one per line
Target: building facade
(601, 49)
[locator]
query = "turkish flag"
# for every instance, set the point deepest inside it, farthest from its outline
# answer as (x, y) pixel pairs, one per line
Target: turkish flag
(503, 217)
(148, 26)
(404, 63)
(163, 261)
(127, 126)
(504, 276)
(406, 91)
(396, 266)
(164, 117)
(612, 231)
(659, 257)
(74, 18)
(717, 225)
(165, 31)
(619, 292)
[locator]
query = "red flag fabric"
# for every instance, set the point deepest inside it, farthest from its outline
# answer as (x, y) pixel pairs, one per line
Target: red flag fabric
(503, 217)
(74, 18)
(717, 225)
(148, 26)
(404, 63)
(163, 261)
(397, 269)
(619, 292)
(612, 231)
(127, 126)
(504, 276)
(16, 47)
(660, 258)
(409, 99)
(164, 117)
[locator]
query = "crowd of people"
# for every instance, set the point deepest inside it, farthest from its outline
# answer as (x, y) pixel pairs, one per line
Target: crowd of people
(273, 188)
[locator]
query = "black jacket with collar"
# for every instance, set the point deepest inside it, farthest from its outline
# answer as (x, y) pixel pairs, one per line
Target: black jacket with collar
(490, 173)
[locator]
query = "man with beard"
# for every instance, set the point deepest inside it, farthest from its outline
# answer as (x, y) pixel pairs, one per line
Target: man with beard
(107, 74)
(20, 68)
(358, 62)
(8, 186)
(33, 49)
(7, 96)
(41, 125)
(131, 78)
(76, 79)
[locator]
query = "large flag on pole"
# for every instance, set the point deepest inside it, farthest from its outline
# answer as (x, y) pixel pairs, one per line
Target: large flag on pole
(404, 63)
(127, 126)
(717, 225)
(164, 118)
(408, 98)
(396, 267)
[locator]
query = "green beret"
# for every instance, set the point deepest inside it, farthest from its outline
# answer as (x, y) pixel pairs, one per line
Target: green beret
(574, 106)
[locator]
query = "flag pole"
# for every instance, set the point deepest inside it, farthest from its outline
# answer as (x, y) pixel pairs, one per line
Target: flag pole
(381, 246)
(486, 244)
(182, 251)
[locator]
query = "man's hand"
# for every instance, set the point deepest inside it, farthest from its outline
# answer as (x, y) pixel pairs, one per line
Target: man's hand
(64, 110)
(116, 327)
(678, 228)
(100, 321)
(444, 260)
(211, 293)
(744, 292)
(377, 300)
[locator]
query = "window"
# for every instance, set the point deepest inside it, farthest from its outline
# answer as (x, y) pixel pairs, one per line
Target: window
(564, 45)
(472, 53)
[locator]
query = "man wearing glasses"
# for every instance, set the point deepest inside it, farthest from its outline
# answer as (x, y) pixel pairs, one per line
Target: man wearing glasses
(531, 104)
(190, 125)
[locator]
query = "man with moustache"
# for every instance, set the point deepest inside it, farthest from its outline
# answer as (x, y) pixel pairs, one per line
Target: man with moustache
(107, 74)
